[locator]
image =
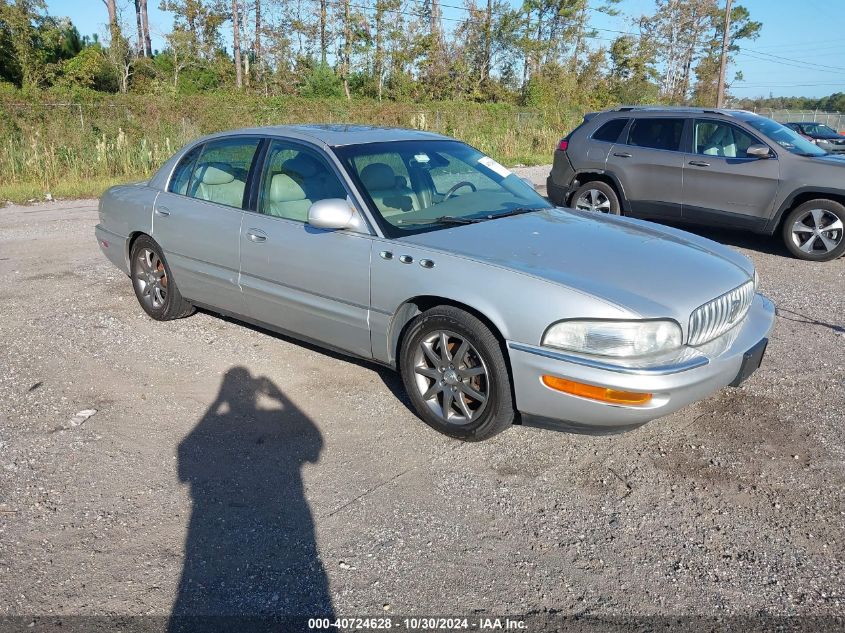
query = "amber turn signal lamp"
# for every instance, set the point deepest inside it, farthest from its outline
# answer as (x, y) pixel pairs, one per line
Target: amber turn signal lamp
(602, 394)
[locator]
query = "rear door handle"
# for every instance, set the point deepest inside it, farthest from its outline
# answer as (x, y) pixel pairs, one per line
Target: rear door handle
(256, 235)
(622, 154)
(699, 163)
(162, 211)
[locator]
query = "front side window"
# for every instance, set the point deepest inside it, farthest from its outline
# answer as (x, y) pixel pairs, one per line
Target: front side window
(713, 138)
(788, 139)
(416, 186)
(295, 178)
(221, 171)
(656, 133)
(610, 131)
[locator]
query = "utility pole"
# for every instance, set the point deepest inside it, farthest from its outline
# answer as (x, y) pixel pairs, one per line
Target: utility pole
(726, 37)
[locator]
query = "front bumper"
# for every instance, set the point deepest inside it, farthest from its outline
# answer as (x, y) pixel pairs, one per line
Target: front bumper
(705, 370)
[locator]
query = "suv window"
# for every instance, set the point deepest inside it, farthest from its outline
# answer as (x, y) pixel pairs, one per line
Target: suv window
(713, 138)
(656, 133)
(221, 171)
(610, 131)
(294, 179)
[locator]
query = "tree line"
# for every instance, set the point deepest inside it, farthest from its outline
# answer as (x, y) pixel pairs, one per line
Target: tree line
(532, 52)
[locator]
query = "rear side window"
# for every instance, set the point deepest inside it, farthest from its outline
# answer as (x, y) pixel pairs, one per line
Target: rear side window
(611, 130)
(656, 133)
(221, 171)
(182, 174)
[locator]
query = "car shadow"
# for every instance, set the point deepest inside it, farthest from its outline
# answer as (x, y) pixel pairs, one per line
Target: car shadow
(250, 552)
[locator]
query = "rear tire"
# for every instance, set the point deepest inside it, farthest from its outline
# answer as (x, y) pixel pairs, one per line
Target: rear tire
(815, 230)
(455, 373)
(596, 196)
(153, 282)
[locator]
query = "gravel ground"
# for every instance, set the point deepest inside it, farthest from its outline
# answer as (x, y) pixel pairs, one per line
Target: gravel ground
(228, 470)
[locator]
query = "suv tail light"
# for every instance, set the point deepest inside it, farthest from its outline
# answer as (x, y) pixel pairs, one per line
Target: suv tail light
(563, 145)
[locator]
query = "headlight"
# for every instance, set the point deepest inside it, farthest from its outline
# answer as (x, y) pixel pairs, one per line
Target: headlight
(623, 339)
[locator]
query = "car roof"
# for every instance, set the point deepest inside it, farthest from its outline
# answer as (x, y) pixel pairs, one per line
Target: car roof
(339, 134)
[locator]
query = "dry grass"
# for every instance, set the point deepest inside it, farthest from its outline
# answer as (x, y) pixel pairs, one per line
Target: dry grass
(79, 149)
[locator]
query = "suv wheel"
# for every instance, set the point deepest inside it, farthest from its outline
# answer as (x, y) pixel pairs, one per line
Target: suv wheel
(596, 196)
(815, 229)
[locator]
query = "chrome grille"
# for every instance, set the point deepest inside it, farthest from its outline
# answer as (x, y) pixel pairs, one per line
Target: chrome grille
(718, 316)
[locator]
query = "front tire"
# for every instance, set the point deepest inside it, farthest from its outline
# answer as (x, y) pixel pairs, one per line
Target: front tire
(597, 196)
(815, 230)
(153, 282)
(455, 373)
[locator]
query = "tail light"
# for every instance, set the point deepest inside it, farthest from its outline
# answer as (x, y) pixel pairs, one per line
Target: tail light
(563, 145)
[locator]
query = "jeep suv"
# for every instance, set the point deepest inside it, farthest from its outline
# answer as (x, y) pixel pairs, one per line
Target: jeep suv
(726, 168)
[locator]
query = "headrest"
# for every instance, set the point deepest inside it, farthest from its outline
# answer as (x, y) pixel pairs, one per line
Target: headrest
(283, 188)
(378, 176)
(217, 174)
(301, 165)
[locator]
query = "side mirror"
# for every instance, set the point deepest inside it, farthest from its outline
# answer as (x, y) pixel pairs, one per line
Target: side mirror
(334, 214)
(758, 150)
(528, 182)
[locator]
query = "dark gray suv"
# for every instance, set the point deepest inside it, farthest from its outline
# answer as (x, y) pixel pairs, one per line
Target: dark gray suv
(726, 168)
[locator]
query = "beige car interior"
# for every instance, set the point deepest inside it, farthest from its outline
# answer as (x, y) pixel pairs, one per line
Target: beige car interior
(220, 183)
(301, 181)
(720, 143)
(389, 192)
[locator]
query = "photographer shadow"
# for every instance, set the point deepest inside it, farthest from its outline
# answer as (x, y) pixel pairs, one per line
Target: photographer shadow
(250, 551)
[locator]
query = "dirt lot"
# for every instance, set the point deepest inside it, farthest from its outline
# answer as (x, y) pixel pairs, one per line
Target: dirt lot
(227, 470)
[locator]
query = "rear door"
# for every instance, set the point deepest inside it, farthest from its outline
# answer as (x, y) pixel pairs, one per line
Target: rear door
(197, 220)
(313, 283)
(648, 162)
(724, 186)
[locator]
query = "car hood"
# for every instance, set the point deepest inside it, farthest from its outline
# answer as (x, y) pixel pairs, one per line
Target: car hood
(642, 267)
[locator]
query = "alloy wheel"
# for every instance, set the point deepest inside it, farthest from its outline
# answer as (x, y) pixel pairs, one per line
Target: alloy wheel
(593, 200)
(818, 231)
(451, 376)
(151, 278)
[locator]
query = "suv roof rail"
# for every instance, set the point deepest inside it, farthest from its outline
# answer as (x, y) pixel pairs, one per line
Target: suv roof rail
(659, 108)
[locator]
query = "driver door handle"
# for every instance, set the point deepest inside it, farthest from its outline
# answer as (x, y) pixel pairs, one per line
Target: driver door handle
(622, 154)
(162, 211)
(699, 163)
(256, 235)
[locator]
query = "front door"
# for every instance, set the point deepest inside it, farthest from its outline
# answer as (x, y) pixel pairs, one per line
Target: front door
(722, 184)
(197, 221)
(313, 283)
(649, 166)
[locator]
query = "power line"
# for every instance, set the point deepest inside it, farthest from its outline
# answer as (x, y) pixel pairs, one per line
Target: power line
(802, 66)
(790, 59)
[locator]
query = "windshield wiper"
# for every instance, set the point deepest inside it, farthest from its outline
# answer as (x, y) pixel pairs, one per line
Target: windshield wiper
(448, 219)
(517, 211)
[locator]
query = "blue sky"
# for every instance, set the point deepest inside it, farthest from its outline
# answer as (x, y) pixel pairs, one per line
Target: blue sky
(797, 52)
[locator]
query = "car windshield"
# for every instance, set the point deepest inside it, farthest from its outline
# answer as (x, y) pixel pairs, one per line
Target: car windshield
(788, 139)
(818, 128)
(416, 186)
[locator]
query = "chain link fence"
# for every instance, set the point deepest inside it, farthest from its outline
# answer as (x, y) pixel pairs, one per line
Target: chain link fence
(836, 120)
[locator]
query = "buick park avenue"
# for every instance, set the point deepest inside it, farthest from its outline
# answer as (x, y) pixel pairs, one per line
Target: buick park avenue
(418, 252)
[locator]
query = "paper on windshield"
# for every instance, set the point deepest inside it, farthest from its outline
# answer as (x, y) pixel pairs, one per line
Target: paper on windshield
(491, 164)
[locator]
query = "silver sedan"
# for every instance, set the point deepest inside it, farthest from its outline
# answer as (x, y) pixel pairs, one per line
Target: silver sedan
(419, 252)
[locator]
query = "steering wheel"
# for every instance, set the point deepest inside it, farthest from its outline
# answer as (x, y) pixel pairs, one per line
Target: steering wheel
(454, 188)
